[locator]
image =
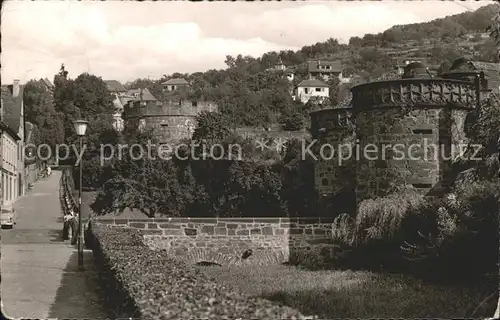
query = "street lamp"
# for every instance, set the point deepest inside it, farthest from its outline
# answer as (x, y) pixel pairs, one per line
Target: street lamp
(80, 128)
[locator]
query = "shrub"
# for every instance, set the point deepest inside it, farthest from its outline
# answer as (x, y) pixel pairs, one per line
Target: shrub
(381, 218)
(473, 242)
(150, 284)
(461, 230)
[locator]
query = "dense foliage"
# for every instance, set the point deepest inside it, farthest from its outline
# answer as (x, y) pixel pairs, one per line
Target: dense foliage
(146, 284)
(255, 96)
(230, 180)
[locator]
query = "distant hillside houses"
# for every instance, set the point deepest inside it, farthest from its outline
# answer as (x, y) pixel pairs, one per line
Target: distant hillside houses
(289, 72)
(312, 88)
(326, 70)
(122, 97)
(175, 84)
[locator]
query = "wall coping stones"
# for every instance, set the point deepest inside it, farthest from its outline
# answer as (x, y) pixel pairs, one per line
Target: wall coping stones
(215, 221)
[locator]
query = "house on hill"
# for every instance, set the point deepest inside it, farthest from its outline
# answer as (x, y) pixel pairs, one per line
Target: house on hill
(280, 66)
(312, 88)
(12, 144)
(175, 84)
(325, 70)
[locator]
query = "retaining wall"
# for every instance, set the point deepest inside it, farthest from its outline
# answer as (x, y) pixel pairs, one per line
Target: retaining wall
(227, 240)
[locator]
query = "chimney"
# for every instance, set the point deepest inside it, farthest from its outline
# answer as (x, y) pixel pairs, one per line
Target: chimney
(15, 88)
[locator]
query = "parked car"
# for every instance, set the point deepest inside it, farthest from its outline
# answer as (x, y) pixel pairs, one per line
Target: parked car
(8, 218)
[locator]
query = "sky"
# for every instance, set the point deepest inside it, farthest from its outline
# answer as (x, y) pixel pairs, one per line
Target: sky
(126, 40)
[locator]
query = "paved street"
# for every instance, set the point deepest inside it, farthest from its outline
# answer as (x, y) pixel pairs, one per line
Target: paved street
(40, 278)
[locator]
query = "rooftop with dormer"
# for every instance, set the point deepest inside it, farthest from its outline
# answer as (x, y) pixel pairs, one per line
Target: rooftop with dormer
(325, 66)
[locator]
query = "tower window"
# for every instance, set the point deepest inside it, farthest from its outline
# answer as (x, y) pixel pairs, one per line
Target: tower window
(422, 131)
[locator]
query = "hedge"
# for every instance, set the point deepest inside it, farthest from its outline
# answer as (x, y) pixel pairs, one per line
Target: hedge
(146, 284)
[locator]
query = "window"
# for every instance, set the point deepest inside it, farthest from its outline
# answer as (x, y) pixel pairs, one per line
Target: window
(9, 196)
(324, 182)
(164, 125)
(194, 103)
(422, 185)
(319, 89)
(306, 90)
(422, 131)
(172, 88)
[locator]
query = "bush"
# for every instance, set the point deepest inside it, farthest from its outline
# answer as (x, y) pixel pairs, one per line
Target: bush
(382, 218)
(456, 237)
(470, 238)
(150, 284)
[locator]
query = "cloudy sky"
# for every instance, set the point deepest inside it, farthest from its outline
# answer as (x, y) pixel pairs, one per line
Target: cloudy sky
(126, 40)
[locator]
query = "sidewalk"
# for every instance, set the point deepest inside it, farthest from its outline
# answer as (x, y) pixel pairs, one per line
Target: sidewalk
(40, 278)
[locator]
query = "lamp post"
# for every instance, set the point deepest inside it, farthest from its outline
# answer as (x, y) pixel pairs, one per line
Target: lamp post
(80, 128)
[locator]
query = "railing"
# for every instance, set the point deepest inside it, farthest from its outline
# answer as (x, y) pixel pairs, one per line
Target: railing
(68, 203)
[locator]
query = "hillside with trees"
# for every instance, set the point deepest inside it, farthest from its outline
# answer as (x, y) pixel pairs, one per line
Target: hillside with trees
(256, 97)
(402, 232)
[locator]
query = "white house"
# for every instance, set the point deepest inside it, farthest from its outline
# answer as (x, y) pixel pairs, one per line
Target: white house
(312, 88)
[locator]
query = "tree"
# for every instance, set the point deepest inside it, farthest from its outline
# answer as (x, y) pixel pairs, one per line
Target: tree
(212, 126)
(91, 96)
(64, 102)
(39, 110)
(293, 121)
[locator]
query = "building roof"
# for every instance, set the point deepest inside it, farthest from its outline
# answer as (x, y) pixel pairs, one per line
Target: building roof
(117, 103)
(335, 66)
(289, 71)
(114, 86)
(124, 99)
(12, 109)
(491, 70)
(146, 94)
(175, 81)
(313, 83)
(47, 83)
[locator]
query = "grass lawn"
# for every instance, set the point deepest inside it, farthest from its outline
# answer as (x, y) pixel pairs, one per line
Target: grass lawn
(354, 294)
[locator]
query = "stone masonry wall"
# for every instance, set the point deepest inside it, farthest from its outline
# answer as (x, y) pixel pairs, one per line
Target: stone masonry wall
(383, 172)
(331, 130)
(171, 120)
(224, 240)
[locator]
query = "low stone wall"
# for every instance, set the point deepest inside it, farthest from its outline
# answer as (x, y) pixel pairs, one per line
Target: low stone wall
(229, 240)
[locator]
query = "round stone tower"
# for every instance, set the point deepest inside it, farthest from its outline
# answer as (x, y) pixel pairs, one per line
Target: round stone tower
(332, 134)
(171, 121)
(408, 131)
